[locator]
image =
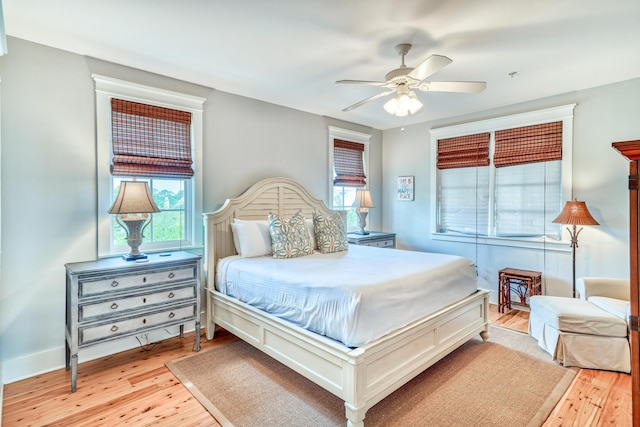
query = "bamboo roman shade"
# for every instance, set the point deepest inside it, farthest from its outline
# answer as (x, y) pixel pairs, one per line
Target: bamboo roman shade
(348, 164)
(150, 141)
(528, 144)
(463, 151)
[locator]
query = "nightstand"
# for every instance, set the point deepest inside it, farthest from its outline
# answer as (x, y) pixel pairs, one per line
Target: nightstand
(374, 238)
(111, 298)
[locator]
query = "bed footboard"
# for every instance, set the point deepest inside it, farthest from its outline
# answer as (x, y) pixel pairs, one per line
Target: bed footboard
(365, 375)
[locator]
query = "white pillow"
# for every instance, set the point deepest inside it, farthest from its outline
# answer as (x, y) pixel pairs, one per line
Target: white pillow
(309, 223)
(251, 238)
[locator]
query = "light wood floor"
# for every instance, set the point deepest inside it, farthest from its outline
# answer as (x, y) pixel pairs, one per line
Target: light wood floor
(135, 388)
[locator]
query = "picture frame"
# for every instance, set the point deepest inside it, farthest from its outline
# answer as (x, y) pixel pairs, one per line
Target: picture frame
(405, 189)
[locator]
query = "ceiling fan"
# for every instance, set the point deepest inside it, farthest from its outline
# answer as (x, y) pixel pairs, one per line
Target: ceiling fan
(403, 79)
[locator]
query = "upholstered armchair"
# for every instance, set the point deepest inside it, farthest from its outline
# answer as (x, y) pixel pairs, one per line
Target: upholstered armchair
(590, 331)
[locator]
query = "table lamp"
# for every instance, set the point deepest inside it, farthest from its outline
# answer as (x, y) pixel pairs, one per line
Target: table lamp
(362, 203)
(133, 208)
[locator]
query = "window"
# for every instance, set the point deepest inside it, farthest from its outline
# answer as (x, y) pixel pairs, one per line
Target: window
(348, 157)
(154, 135)
(502, 180)
(170, 227)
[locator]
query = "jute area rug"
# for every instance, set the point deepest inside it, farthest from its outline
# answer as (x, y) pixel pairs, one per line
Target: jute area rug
(508, 381)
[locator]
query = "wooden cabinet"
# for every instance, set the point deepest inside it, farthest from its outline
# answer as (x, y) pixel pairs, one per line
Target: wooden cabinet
(111, 298)
(374, 238)
(631, 150)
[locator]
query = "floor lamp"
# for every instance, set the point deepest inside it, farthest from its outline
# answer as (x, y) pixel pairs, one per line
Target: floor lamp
(575, 213)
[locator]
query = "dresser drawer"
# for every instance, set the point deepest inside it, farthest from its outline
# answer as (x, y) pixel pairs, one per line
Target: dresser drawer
(377, 239)
(130, 325)
(381, 243)
(94, 286)
(114, 307)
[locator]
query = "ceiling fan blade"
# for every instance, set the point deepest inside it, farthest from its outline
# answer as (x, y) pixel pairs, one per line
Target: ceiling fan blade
(364, 101)
(361, 82)
(467, 87)
(429, 66)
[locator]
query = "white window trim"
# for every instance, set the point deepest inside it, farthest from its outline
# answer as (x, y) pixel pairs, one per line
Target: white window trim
(347, 135)
(562, 113)
(107, 88)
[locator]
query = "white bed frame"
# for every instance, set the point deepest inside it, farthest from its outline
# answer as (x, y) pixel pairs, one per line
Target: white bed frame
(361, 377)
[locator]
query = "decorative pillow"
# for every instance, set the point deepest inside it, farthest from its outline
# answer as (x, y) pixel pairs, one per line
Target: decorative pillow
(251, 238)
(330, 233)
(289, 238)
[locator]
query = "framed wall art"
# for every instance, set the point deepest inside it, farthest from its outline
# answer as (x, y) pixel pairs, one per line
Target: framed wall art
(405, 188)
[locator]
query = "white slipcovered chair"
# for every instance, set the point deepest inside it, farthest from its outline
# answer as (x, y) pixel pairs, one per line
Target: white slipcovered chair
(590, 331)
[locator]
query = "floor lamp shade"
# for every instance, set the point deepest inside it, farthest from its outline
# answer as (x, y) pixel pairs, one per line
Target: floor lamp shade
(575, 213)
(133, 208)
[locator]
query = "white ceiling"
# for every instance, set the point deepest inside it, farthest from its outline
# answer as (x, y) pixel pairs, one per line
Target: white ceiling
(290, 52)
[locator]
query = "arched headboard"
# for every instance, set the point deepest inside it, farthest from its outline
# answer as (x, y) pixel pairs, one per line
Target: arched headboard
(283, 196)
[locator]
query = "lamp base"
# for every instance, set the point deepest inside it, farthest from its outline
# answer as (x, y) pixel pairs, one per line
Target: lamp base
(132, 257)
(362, 233)
(362, 223)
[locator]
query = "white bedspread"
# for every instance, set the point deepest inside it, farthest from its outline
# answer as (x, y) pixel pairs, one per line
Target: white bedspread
(354, 296)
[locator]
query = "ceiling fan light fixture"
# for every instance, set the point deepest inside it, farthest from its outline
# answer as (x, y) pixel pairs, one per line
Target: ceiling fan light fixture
(403, 79)
(404, 104)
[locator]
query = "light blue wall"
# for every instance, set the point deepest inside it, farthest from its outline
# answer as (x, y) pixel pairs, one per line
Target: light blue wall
(602, 115)
(49, 197)
(48, 193)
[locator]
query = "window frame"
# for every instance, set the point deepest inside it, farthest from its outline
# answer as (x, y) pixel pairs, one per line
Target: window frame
(353, 136)
(562, 113)
(107, 88)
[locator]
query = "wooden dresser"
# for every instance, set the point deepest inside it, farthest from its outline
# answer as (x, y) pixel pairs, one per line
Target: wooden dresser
(631, 151)
(111, 298)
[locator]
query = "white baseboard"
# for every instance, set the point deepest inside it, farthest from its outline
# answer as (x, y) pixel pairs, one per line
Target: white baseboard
(53, 359)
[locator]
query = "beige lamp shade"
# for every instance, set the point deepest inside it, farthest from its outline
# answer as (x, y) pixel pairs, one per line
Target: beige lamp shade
(133, 197)
(575, 213)
(363, 199)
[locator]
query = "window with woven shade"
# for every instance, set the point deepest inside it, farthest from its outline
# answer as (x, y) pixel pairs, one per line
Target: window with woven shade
(348, 158)
(348, 164)
(503, 178)
(148, 140)
(528, 180)
(154, 135)
(464, 184)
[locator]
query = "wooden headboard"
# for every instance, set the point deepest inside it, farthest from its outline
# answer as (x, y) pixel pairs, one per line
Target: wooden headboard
(283, 196)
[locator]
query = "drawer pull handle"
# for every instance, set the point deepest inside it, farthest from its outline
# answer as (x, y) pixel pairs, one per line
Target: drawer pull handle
(114, 328)
(171, 295)
(114, 306)
(171, 275)
(114, 283)
(144, 300)
(172, 315)
(144, 279)
(144, 321)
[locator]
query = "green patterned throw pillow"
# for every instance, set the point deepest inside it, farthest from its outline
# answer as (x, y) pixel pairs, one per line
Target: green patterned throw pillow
(289, 238)
(330, 233)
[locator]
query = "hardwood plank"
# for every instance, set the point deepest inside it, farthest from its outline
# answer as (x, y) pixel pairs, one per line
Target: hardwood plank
(135, 388)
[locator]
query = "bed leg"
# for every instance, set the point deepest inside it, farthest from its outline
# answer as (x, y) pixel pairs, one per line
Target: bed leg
(355, 417)
(211, 330)
(210, 327)
(485, 334)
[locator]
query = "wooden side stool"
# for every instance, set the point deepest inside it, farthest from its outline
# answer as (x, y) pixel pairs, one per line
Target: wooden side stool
(523, 283)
